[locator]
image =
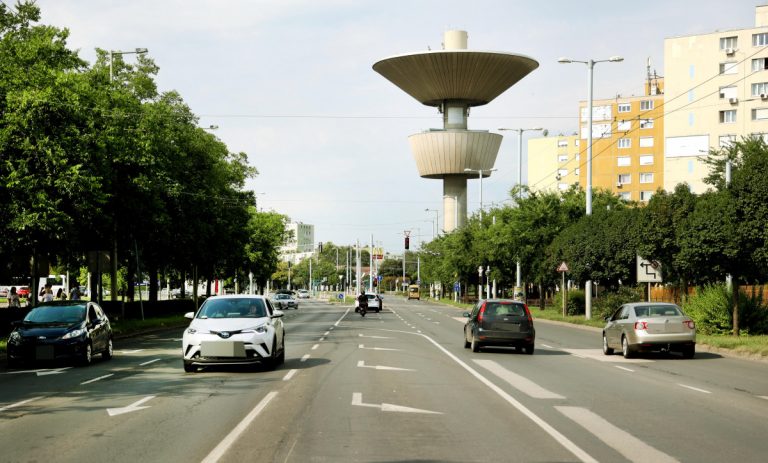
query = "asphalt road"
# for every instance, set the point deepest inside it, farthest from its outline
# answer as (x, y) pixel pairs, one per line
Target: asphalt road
(393, 386)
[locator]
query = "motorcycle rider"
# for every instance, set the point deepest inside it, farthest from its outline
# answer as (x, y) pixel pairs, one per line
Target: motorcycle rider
(362, 302)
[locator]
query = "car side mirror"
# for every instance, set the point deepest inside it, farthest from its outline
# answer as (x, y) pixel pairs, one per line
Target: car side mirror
(277, 314)
(189, 315)
(608, 318)
(466, 315)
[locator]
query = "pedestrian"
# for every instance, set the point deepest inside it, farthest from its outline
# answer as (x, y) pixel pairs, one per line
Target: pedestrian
(48, 293)
(13, 299)
(74, 294)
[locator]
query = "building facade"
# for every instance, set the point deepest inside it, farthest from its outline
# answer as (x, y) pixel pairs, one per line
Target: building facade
(300, 244)
(717, 92)
(553, 162)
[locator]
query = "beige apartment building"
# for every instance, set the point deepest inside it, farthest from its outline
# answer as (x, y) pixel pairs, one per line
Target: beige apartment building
(716, 91)
(627, 149)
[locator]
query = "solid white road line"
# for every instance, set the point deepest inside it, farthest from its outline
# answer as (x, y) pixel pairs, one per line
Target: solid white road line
(289, 375)
(17, 404)
(374, 337)
(97, 379)
(340, 319)
(362, 346)
(694, 388)
(520, 383)
(625, 369)
(225, 444)
(147, 363)
(623, 442)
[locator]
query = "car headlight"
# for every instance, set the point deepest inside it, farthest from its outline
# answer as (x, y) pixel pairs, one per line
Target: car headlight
(74, 334)
(259, 329)
(14, 338)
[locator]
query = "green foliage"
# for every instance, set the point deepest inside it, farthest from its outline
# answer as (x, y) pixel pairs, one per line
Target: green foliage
(710, 309)
(575, 305)
(609, 301)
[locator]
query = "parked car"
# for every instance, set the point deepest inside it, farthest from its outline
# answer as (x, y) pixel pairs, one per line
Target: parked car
(375, 303)
(649, 326)
(4, 291)
(23, 291)
(61, 330)
(500, 322)
(234, 329)
(303, 294)
(284, 301)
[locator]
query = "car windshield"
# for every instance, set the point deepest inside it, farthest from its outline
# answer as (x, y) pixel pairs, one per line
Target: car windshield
(500, 309)
(57, 314)
(371, 296)
(233, 308)
(657, 311)
(283, 296)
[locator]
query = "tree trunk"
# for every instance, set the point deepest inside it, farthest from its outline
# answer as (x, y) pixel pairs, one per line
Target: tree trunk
(735, 289)
(542, 297)
(152, 283)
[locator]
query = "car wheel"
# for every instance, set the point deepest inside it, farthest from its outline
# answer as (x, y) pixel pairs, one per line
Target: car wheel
(87, 356)
(606, 350)
(281, 356)
(689, 352)
(273, 359)
(378, 310)
(107, 354)
(466, 343)
(528, 349)
(188, 367)
(625, 350)
(475, 345)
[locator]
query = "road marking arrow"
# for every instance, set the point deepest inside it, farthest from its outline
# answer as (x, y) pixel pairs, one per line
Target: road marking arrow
(362, 346)
(130, 408)
(357, 400)
(130, 351)
(362, 364)
(55, 371)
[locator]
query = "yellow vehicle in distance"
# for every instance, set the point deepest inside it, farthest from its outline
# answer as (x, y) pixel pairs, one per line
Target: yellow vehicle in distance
(413, 292)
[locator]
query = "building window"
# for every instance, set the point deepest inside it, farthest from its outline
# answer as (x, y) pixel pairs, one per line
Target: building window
(646, 177)
(645, 195)
(576, 171)
(729, 68)
(576, 142)
(646, 159)
(726, 140)
(562, 143)
(624, 126)
(562, 172)
(625, 107)
(646, 105)
(625, 196)
(760, 88)
(728, 92)
(623, 161)
(759, 64)
(646, 123)
(760, 114)
(646, 142)
(728, 42)
(624, 179)
(760, 40)
(728, 117)
(625, 142)
(562, 158)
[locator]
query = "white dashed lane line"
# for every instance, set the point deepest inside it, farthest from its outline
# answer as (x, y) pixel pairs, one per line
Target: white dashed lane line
(694, 388)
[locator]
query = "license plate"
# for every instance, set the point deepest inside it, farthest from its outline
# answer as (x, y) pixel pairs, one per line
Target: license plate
(44, 353)
(222, 349)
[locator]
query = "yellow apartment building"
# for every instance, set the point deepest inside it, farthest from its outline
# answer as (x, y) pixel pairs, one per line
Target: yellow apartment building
(717, 91)
(553, 162)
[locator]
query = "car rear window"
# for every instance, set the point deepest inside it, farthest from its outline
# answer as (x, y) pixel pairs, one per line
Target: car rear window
(498, 309)
(657, 311)
(56, 314)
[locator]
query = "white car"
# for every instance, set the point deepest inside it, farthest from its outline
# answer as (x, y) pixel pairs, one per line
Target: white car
(375, 303)
(232, 330)
(303, 294)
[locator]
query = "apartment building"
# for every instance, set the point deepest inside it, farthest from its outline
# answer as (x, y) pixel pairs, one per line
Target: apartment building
(553, 162)
(300, 244)
(716, 92)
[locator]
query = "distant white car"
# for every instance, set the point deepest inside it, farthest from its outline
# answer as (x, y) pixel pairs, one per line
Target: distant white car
(303, 294)
(234, 329)
(375, 303)
(284, 301)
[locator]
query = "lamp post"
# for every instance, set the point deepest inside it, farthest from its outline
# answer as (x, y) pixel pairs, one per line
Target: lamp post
(437, 218)
(112, 53)
(518, 273)
(590, 71)
(480, 173)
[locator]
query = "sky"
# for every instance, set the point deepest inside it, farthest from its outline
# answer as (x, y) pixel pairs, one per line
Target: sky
(290, 83)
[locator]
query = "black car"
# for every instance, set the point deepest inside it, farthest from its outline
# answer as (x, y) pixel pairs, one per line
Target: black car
(499, 322)
(61, 330)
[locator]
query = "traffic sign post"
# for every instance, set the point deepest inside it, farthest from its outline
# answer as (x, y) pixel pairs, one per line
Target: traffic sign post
(648, 271)
(562, 269)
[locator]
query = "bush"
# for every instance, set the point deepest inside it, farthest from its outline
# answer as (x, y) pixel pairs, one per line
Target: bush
(608, 302)
(710, 309)
(575, 304)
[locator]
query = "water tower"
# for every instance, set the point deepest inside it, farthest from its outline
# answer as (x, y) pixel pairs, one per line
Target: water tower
(453, 80)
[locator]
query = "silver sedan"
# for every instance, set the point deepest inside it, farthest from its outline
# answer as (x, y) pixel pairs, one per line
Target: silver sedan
(649, 326)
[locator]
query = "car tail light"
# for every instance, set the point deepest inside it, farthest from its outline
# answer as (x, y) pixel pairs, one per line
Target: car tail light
(528, 313)
(641, 325)
(480, 314)
(690, 324)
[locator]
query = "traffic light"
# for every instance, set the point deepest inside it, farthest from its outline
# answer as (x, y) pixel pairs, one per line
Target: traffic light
(407, 242)
(320, 246)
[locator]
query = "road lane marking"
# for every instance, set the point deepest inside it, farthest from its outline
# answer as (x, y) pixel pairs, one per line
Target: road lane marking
(623, 442)
(322, 339)
(597, 354)
(357, 400)
(305, 357)
(340, 319)
(763, 397)
(547, 346)
(130, 351)
(231, 438)
(461, 319)
(362, 364)
(97, 379)
(362, 346)
(55, 371)
(520, 383)
(290, 375)
(625, 369)
(373, 337)
(147, 363)
(18, 404)
(130, 408)
(694, 388)
(315, 347)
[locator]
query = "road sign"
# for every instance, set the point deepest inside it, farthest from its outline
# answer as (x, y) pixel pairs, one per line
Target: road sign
(563, 267)
(341, 296)
(648, 271)
(456, 287)
(381, 277)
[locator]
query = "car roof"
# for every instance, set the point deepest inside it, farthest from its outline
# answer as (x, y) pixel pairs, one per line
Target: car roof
(646, 304)
(239, 296)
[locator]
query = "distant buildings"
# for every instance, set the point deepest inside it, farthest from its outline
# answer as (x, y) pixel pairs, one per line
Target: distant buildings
(300, 244)
(714, 91)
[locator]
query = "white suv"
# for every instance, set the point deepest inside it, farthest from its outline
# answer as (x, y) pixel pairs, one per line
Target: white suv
(375, 303)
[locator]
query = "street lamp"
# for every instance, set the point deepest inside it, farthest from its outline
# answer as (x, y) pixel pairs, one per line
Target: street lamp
(112, 53)
(590, 67)
(437, 218)
(480, 173)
